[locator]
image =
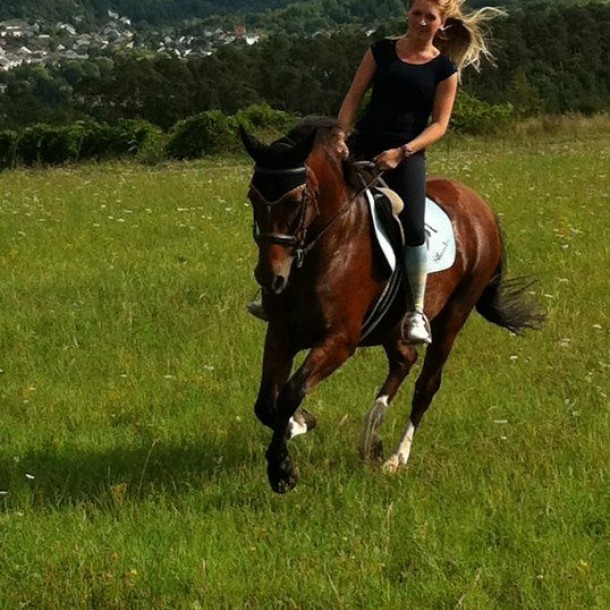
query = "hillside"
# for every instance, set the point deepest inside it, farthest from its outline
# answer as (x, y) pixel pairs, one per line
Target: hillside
(549, 60)
(287, 14)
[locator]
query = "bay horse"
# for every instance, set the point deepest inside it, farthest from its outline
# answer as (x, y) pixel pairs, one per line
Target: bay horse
(320, 277)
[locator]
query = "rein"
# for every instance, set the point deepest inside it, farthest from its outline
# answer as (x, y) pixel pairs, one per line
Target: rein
(301, 248)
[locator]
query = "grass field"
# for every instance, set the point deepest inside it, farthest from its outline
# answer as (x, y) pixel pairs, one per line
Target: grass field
(131, 465)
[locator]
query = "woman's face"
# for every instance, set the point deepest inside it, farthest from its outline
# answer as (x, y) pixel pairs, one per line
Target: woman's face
(424, 18)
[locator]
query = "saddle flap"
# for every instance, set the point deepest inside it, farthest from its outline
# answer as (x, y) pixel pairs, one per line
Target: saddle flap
(440, 237)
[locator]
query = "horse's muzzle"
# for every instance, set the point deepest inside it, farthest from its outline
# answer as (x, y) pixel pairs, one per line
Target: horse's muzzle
(272, 272)
(275, 284)
(278, 284)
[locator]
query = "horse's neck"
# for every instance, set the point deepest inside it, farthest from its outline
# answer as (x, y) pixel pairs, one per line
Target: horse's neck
(342, 224)
(333, 193)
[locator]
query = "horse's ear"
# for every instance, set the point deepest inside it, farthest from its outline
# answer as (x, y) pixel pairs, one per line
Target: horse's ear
(300, 151)
(253, 147)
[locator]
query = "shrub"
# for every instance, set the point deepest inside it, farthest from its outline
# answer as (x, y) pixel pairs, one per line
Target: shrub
(207, 133)
(8, 140)
(48, 145)
(474, 116)
(101, 141)
(125, 138)
(144, 140)
(263, 117)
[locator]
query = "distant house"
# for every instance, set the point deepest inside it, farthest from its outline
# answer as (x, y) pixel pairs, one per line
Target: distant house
(111, 33)
(71, 55)
(67, 28)
(14, 29)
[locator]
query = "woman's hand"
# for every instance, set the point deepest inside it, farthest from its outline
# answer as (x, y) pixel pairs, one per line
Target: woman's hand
(389, 159)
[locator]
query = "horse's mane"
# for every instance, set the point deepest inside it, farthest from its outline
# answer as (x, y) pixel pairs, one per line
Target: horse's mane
(322, 128)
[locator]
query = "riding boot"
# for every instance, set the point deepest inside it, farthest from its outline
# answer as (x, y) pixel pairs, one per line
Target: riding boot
(415, 327)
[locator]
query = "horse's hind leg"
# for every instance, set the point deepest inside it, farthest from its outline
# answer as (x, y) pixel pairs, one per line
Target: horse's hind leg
(445, 328)
(401, 358)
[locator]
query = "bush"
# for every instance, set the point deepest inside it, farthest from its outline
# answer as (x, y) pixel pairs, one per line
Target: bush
(144, 140)
(474, 116)
(125, 138)
(263, 117)
(207, 133)
(102, 141)
(48, 145)
(151, 149)
(8, 140)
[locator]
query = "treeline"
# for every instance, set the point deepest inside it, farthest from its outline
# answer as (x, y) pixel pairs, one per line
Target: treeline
(279, 15)
(206, 134)
(549, 60)
(156, 12)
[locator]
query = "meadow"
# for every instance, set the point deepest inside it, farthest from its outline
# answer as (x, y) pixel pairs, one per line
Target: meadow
(132, 471)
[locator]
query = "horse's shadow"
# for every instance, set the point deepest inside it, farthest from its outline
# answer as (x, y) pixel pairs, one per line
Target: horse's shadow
(58, 476)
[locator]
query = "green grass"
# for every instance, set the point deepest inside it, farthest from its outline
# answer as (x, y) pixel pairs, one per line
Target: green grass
(134, 466)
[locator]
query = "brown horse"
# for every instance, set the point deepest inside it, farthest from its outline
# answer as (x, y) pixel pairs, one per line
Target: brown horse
(321, 277)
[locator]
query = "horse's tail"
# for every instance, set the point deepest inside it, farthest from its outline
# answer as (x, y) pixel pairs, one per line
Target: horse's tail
(510, 303)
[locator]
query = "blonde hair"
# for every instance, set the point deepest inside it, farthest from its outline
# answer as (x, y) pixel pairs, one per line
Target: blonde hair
(464, 35)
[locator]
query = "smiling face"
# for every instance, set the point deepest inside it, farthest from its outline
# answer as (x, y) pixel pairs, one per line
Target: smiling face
(424, 18)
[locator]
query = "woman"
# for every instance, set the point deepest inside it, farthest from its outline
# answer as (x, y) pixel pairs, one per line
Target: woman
(414, 81)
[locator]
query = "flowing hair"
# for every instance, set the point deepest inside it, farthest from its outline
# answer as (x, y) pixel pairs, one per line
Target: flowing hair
(464, 36)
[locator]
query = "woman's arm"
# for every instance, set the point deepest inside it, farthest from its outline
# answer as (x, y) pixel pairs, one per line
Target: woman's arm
(360, 84)
(444, 99)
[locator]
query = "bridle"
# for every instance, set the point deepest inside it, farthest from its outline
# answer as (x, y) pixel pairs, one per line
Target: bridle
(303, 192)
(297, 240)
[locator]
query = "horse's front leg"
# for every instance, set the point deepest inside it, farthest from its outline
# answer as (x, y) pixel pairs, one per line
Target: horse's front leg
(321, 361)
(277, 363)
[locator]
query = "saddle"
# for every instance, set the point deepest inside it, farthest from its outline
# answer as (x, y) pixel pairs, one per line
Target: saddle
(384, 207)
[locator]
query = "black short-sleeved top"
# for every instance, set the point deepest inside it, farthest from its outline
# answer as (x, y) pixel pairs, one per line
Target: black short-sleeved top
(402, 94)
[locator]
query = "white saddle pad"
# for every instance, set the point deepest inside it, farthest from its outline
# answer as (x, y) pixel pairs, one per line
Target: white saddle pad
(439, 237)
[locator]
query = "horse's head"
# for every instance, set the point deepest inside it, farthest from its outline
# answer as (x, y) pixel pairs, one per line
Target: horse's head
(283, 197)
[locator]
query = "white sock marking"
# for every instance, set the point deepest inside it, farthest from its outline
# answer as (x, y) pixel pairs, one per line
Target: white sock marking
(374, 419)
(296, 427)
(404, 449)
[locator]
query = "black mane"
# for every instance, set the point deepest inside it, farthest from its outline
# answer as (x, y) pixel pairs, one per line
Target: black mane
(319, 128)
(314, 123)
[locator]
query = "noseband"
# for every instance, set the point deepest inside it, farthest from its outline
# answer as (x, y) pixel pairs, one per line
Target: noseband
(301, 190)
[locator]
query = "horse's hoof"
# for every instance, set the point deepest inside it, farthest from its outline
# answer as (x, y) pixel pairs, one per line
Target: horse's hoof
(308, 418)
(283, 476)
(394, 465)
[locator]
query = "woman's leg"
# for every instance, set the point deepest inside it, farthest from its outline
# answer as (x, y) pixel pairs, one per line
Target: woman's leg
(409, 181)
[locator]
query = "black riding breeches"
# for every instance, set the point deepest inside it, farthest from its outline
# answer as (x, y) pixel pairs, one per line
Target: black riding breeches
(408, 180)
